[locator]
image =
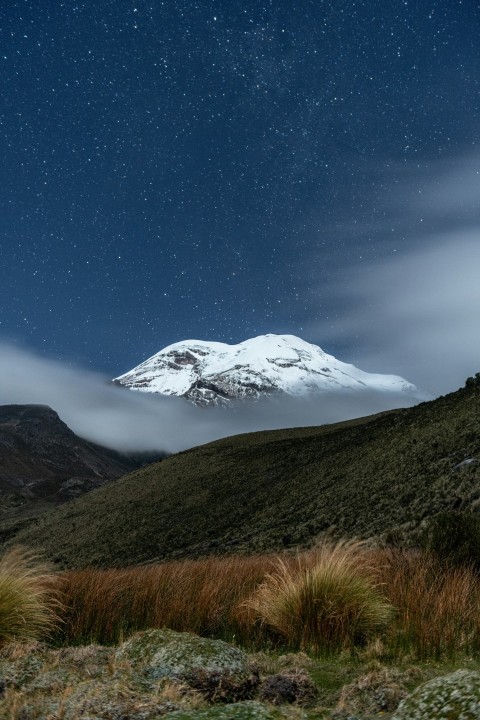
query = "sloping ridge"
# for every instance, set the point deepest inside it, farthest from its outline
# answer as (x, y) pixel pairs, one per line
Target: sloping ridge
(270, 490)
(43, 463)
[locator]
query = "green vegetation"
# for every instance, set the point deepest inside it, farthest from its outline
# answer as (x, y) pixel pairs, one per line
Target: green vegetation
(28, 599)
(326, 601)
(473, 381)
(263, 492)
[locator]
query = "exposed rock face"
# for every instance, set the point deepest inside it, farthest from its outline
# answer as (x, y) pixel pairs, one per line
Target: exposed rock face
(451, 697)
(212, 373)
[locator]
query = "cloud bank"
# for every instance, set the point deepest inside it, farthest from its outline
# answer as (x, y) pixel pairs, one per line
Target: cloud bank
(99, 411)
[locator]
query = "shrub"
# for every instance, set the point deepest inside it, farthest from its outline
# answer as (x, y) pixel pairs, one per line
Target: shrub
(455, 537)
(27, 596)
(291, 686)
(473, 381)
(325, 601)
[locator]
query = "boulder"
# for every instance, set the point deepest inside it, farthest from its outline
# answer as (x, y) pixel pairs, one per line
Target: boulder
(236, 711)
(221, 672)
(450, 697)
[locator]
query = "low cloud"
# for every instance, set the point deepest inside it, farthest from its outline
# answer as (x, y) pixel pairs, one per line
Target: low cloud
(130, 421)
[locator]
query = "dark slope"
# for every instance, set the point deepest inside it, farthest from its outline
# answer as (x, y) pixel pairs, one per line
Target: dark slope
(43, 463)
(270, 490)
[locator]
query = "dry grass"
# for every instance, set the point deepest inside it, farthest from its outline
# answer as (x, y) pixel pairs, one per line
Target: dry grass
(29, 603)
(302, 602)
(438, 605)
(201, 596)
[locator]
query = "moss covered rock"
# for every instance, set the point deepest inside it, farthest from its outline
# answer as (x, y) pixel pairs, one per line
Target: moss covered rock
(236, 711)
(219, 671)
(17, 672)
(450, 697)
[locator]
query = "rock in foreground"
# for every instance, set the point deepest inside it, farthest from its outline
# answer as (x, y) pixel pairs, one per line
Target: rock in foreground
(450, 697)
(219, 671)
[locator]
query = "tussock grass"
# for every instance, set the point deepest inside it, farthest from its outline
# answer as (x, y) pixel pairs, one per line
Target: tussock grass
(29, 604)
(325, 601)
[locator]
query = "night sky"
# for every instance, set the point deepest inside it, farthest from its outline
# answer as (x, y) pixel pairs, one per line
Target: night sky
(219, 170)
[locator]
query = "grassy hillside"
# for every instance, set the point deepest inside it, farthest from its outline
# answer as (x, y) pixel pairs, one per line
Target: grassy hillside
(267, 491)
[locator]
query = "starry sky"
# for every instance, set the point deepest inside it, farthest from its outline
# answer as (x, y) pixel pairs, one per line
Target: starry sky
(219, 170)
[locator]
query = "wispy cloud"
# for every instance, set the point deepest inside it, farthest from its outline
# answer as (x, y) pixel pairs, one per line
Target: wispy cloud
(416, 312)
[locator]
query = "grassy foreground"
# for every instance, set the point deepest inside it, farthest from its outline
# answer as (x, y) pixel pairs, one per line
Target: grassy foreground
(351, 629)
(89, 681)
(336, 597)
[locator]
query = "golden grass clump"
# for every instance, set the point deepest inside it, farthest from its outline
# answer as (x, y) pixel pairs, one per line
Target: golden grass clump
(28, 597)
(327, 600)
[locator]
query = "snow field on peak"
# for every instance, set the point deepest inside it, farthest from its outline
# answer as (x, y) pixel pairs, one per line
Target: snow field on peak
(267, 363)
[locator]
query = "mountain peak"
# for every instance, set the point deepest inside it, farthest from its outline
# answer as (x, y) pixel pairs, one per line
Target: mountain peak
(215, 373)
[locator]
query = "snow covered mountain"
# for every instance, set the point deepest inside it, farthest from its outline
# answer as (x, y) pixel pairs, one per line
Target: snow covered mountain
(213, 373)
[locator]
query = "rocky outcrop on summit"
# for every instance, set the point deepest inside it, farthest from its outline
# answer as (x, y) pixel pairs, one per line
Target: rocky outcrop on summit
(212, 373)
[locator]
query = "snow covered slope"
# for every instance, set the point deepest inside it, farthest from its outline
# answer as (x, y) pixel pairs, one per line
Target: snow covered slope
(213, 373)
